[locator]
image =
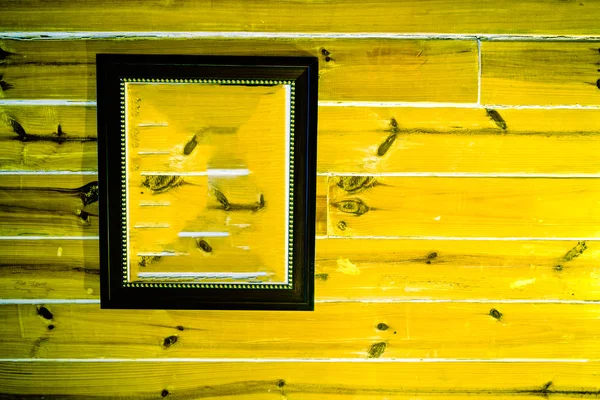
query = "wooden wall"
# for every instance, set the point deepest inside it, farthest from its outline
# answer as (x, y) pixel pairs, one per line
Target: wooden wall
(462, 138)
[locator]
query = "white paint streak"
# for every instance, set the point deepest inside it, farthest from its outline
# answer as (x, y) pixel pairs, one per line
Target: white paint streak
(463, 175)
(202, 234)
(146, 225)
(161, 254)
(49, 237)
(452, 238)
(151, 124)
(522, 283)
(205, 275)
(209, 172)
(479, 71)
(155, 204)
(48, 172)
(21, 35)
(302, 360)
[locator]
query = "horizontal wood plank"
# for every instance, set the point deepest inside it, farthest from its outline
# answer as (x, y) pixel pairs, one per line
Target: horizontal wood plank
(486, 16)
(271, 380)
(456, 270)
(464, 207)
(66, 205)
(376, 140)
(352, 139)
(540, 73)
(348, 269)
(349, 69)
(333, 330)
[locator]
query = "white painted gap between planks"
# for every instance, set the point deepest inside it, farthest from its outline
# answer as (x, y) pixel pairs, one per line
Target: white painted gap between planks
(333, 103)
(304, 360)
(99, 35)
(340, 301)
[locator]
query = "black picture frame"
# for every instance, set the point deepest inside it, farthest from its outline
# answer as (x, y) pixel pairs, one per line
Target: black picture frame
(112, 71)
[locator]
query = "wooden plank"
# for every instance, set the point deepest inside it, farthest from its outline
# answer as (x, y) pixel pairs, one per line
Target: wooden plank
(349, 69)
(456, 270)
(49, 269)
(48, 138)
(53, 205)
(486, 16)
(298, 380)
(66, 205)
(351, 139)
(374, 140)
(333, 330)
(541, 73)
(351, 269)
(464, 207)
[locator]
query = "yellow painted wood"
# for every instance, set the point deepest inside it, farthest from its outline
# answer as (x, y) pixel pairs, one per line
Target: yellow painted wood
(301, 380)
(334, 330)
(465, 207)
(540, 73)
(374, 140)
(53, 205)
(350, 269)
(48, 205)
(48, 138)
(457, 270)
(58, 269)
(365, 69)
(350, 138)
(530, 16)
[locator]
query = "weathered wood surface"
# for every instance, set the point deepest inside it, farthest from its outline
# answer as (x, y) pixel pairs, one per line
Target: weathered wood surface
(348, 69)
(540, 73)
(352, 139)
(487, 16)
(349, 269)
(302, 380)
(467, 207)
(334, 330)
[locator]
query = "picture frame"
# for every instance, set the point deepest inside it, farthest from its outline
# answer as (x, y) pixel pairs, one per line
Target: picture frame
(207, 181)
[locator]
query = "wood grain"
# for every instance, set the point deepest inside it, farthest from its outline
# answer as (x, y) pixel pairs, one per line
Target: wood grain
(351, 139)
(37, 138)
(540, 73)
(333, 330)
(269, 380)
(66, 205)
(456, 270)
(465, 207)
(376, 140)
(54, 205)
(50, 269)
(348, 70)
(348, 269)
(487, 16)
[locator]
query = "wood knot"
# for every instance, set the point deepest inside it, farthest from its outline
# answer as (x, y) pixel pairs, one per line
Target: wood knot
(89, 193)
(342, 225)
(495, 313)
(355, 184)
(280, 383)
(352, 206)
(190, 146)
(382, 326)
(376, 350)
(161, 183)
(430, 257)
(50, 327)
(44, 313)
(203, 245)
(164, 393)
(322, 277)
(169, 341)
(179, 328)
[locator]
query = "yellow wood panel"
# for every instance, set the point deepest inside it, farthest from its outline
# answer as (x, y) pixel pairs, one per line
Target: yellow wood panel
(455, 270)
(54, 205)
(351, 139)
(59, 269)
(66, 205)
(466, 207)
(293, 381)
(48, 138)
(301, 380)
(540, 73)
(365, 69)
(333, 330)
(487, 16)
(372, 139)
(350, 269)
